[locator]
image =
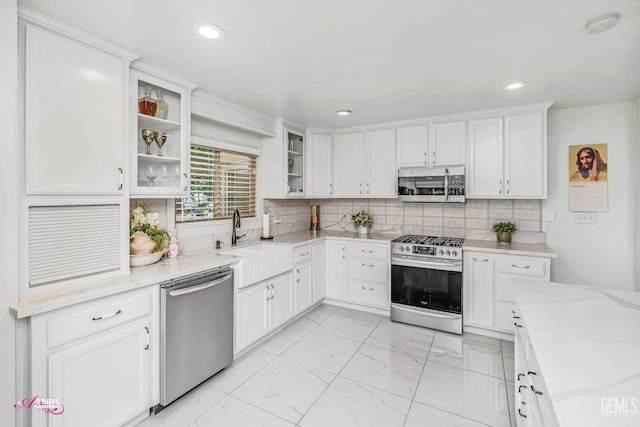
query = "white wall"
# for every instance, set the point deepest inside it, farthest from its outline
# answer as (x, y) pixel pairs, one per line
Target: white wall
(600, 254)
(8, 212)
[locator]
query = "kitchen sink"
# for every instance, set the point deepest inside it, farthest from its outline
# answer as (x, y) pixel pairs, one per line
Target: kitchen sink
(260, 261)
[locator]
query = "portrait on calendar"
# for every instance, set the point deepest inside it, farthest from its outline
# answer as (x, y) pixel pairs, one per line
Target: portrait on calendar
(588, 171)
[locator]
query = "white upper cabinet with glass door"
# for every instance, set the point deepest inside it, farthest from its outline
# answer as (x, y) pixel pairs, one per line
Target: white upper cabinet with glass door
(160, 129)
(283, 160)
(75, 103)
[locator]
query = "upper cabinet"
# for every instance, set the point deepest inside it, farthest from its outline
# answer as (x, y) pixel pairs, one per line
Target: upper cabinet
(508, 155)
(320, 165)
(437, 144)
(76, 108)
(283, 163)
(160, 117)
(365, 164)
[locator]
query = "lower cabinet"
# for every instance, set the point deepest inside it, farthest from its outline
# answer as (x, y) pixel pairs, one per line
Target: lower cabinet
(98, 358)
(303, 286)
(261, 308)
(319, 272)
(359, 273)
(488, 297)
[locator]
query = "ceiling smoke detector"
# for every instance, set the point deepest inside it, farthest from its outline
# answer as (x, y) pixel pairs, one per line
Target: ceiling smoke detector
(602, 23)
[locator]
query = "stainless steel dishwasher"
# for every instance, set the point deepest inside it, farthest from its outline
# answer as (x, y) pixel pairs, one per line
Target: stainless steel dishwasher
(196, 331)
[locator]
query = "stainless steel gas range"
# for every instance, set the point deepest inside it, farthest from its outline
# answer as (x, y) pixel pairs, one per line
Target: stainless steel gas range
(426, 282)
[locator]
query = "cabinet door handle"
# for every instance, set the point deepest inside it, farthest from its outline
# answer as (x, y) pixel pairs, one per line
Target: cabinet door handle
(298, 276)
(518, 326)
(146, 347)
(360, 188)
(425, 158)
(344, 250)
(521, 387)
(520, 266)
(367, 265)
(516, 317)
(521, 414)
(273, 293)
(367, 188)
(533, 389)
(481, 259)
(186, 181)
(364, 289)
(120, 178)
(268, 294)
(106, 316)
(330, 188)
(520, 375)
(366, 252)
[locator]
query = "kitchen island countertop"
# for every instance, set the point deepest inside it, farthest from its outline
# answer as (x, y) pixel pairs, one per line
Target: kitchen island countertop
(587, 344)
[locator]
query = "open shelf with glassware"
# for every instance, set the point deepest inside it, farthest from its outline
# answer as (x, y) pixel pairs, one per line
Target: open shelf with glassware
(295, 163)
(160, 135)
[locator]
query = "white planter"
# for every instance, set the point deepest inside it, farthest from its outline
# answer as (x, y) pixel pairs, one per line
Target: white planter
(363, 230)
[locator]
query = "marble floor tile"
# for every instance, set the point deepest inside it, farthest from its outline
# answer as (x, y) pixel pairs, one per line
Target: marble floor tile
(241, 370)
(187, 408)
(232, 412)
(346, 328)
(362, 316)
(385, 369)
(322, 351)
(346, 403)
(461, 352)
(479, 397)
(286, 338)
(303, 323)
(411, 340)
(422, 416)
(468, 336)
(284, 388)
(320, 313)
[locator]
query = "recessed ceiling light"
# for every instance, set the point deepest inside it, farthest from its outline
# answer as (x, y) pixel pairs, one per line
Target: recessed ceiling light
(344, 112)
(515, 85)
(602, 23)
(210, 32)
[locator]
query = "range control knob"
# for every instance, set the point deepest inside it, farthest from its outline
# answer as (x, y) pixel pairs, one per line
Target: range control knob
(454, 253)
(408, 248)
(448, 252)
(401, 248)
(441, 252)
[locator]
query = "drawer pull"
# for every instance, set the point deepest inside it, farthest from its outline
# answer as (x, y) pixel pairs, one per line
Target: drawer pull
(481, 259)
(516, 317)
(364, 289)
(519, 326)
(106, 316)
(365, 265)
(519, 266)
(533, 389)
(146, 347)
(303, 253)
(366, 252)
(521, 414)
(521, 387)
(520, 375)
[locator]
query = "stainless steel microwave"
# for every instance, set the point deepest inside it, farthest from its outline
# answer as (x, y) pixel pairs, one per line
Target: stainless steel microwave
(435, 185)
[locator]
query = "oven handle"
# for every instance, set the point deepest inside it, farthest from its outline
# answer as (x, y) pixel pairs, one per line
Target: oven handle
(457, 266)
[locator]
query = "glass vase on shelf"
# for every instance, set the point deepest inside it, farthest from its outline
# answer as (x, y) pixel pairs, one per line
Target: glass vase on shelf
(163, 108)
(147, 105)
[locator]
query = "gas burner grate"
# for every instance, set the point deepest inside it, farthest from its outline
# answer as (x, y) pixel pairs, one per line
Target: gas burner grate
(416, 239)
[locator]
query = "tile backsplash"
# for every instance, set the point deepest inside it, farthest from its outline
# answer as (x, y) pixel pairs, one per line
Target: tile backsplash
(472, 219)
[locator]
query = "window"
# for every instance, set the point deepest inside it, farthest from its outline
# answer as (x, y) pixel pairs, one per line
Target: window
(221, 181)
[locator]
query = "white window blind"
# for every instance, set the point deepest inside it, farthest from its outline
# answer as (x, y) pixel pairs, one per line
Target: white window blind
(220, 182)
(67, 242)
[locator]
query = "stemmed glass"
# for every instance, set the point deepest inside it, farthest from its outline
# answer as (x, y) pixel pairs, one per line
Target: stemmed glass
(151, 172)
(161, 138)
(148, 136)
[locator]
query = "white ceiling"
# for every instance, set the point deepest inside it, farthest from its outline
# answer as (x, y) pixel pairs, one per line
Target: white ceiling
(385, 60)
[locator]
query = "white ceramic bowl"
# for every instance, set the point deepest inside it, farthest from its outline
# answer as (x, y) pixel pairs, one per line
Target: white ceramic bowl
(147, 259)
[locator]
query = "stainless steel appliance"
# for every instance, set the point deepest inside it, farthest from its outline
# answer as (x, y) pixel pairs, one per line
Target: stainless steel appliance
(440, 185)
(426, 282)
(196, 331)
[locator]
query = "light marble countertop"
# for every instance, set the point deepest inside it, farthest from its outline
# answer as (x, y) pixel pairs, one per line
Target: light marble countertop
(492, 246)
(587, 343)
(300, 238)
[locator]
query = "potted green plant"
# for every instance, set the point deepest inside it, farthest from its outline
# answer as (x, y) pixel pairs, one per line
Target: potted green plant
(503, 230)
(362, 221)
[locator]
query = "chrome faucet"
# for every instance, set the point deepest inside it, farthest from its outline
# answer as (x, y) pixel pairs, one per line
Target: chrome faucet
(235, 224)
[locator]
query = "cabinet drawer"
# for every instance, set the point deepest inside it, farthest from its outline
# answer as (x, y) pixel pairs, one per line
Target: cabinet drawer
(521, 266)
(302, 254)
(369, 251)
(69, 324)
(369, 293)
(370, 270)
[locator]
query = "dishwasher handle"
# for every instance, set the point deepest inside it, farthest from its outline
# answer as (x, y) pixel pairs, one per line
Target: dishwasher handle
(191, 289)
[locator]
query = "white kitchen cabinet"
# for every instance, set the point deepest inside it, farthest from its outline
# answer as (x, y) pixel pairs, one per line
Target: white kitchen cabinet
(508, 155)
(261, 308)
(365, 167)
(283, 162)
(336, 270)
(349, 165)
(448, 143)
(319, 272)
(413, 146)
(100, 358)
(303, 286)
(76, 110)
(159, 171)
(320, 165)
(488, 297)
(478, 289)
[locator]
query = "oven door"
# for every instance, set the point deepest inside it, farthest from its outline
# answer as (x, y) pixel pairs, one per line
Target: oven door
(433, 285)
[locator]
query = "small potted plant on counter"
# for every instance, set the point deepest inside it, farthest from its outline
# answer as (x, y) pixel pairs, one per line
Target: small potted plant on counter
(503, 230)
(362, 221)
(146, 238)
